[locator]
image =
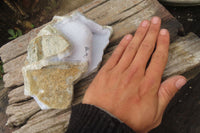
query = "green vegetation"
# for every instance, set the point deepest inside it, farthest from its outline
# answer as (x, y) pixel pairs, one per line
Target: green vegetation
(14, 33)
(32, 26)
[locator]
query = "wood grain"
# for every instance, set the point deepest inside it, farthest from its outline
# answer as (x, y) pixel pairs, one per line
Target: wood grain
(17, 95)
(184, 57)
(19, 112)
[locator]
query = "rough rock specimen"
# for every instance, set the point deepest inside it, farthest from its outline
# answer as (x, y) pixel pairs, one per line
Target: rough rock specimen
(46, 46)
(64, 51)
(52, 84)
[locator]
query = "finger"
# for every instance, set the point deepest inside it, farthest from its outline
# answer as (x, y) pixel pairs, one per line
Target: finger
(116, 55)
(159, 57)
(133, 46)
(147, 46)
(167, 90)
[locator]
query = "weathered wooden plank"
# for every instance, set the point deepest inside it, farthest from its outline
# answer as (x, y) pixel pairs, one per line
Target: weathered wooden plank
(14, 65)
(13, 70)
(36, 122)
(19, 112)
(47, 116)
(57, 123)
(3, 105)
(91, 6)
(13, 79)
(184, 56)
(17, 95)
(115, 11)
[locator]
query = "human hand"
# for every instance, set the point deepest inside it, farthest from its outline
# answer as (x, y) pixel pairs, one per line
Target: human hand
(127, 88)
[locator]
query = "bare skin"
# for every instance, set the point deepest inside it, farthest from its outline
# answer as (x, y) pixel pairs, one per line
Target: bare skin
(127, 89)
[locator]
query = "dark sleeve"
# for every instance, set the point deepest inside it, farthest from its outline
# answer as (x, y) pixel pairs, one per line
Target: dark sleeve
(90, 119)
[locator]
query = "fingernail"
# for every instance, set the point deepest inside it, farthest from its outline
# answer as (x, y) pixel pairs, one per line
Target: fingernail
(144, 23)
(180, 83)
(155, 20)
(163, 31)
(128, 37)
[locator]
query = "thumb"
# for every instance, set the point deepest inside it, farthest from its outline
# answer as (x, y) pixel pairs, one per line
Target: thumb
(168, 89)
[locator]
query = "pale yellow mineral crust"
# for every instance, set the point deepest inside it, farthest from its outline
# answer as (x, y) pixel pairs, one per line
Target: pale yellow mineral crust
(53, 86)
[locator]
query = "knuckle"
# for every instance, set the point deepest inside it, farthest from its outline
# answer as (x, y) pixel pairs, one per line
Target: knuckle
(134, 69)
(160, 56)
(152, 82)
(136, 99)
(132, 47)
(129, 74)
(115, 54)
(147, 46)
(167, 93)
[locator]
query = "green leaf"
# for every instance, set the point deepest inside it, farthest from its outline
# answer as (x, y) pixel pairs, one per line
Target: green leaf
(10, 38)
(16, 35)
(19, 32)
(11, 32)
(32, 26)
